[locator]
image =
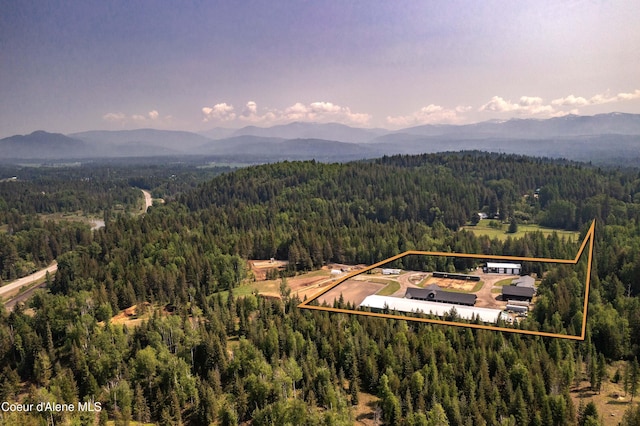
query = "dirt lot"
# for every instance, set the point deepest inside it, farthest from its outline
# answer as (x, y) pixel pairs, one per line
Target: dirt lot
(353, 290)
(260, 267)
(309, 285)
(444, 283)
(133, 315)
(305, 285)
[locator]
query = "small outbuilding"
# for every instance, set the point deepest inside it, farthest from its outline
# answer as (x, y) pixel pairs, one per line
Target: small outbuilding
(503, 268)
(518, 309)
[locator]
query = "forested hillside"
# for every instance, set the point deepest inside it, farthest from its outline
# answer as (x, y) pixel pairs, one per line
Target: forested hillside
(207, 356)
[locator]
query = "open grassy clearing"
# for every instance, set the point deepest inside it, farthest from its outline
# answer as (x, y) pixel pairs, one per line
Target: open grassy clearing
(391, 288)
(483, 228)
(506, 281)
(78, 216)
(611, 402)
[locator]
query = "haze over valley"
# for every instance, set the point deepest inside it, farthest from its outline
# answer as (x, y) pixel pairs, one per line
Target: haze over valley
(604, 139)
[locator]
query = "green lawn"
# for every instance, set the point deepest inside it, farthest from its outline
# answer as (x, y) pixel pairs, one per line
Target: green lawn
(483, 228)
(391, 288)
(506, 281)
(248, 288)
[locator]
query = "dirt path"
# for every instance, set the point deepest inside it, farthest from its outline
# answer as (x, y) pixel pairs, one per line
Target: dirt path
(28, 280)
(405, 282)
(486, 299)
(148, 201)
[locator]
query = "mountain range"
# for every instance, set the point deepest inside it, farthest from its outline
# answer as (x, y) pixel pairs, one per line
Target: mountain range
(603, 139)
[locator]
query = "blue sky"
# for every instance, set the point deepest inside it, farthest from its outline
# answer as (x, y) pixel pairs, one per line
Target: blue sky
(74, 66)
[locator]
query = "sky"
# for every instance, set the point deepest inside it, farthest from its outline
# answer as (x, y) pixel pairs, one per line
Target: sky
(70, 66)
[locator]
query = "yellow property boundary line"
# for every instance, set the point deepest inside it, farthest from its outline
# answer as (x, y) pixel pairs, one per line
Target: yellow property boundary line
(589, 239)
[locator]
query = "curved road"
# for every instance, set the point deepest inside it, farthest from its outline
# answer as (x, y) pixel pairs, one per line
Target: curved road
(10, 289)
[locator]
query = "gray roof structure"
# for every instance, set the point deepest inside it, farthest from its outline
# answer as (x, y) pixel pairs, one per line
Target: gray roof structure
(435, 294)
(524, 281)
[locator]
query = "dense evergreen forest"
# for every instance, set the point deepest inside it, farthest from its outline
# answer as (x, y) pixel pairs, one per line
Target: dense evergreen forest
(208, 356)
(31, 197)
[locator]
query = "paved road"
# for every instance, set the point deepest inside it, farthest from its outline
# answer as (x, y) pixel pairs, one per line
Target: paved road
(28, 280)
(22, 297)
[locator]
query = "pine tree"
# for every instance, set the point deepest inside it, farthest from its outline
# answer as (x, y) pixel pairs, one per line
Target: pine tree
(634, 378)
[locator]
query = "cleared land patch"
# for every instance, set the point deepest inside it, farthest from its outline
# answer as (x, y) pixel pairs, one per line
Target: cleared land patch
(483, 228)
(466, 286)
(352, 291)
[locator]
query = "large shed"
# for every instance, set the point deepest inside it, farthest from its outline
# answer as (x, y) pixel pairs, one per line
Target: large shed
(380, 303)
(512, 292)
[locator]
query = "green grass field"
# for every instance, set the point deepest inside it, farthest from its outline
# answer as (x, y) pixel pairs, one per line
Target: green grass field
(506, 281)
(391, 288)
(483, 228)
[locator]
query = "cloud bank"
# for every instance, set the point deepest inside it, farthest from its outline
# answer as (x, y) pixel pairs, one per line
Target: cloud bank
(430, 114)
(124, 119)
(320, 112)
(535, 105)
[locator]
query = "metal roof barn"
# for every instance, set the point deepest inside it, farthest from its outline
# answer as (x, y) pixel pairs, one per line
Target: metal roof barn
(379, 303)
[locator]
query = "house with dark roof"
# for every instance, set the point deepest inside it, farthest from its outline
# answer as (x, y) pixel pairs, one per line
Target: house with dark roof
(512, 292)
(433, 293)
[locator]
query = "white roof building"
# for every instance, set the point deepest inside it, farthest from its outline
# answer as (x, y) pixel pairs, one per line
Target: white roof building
(434, 308)
(504, 268)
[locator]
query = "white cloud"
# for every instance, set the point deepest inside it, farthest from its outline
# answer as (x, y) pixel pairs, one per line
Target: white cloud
(219, 112)
(629, 96)
(527, 105)
(530, 101)
(431, 114)
(570, 101)
(533, 105)
(123, 119)
(598, 99)
(114, 117)
(320, 112)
